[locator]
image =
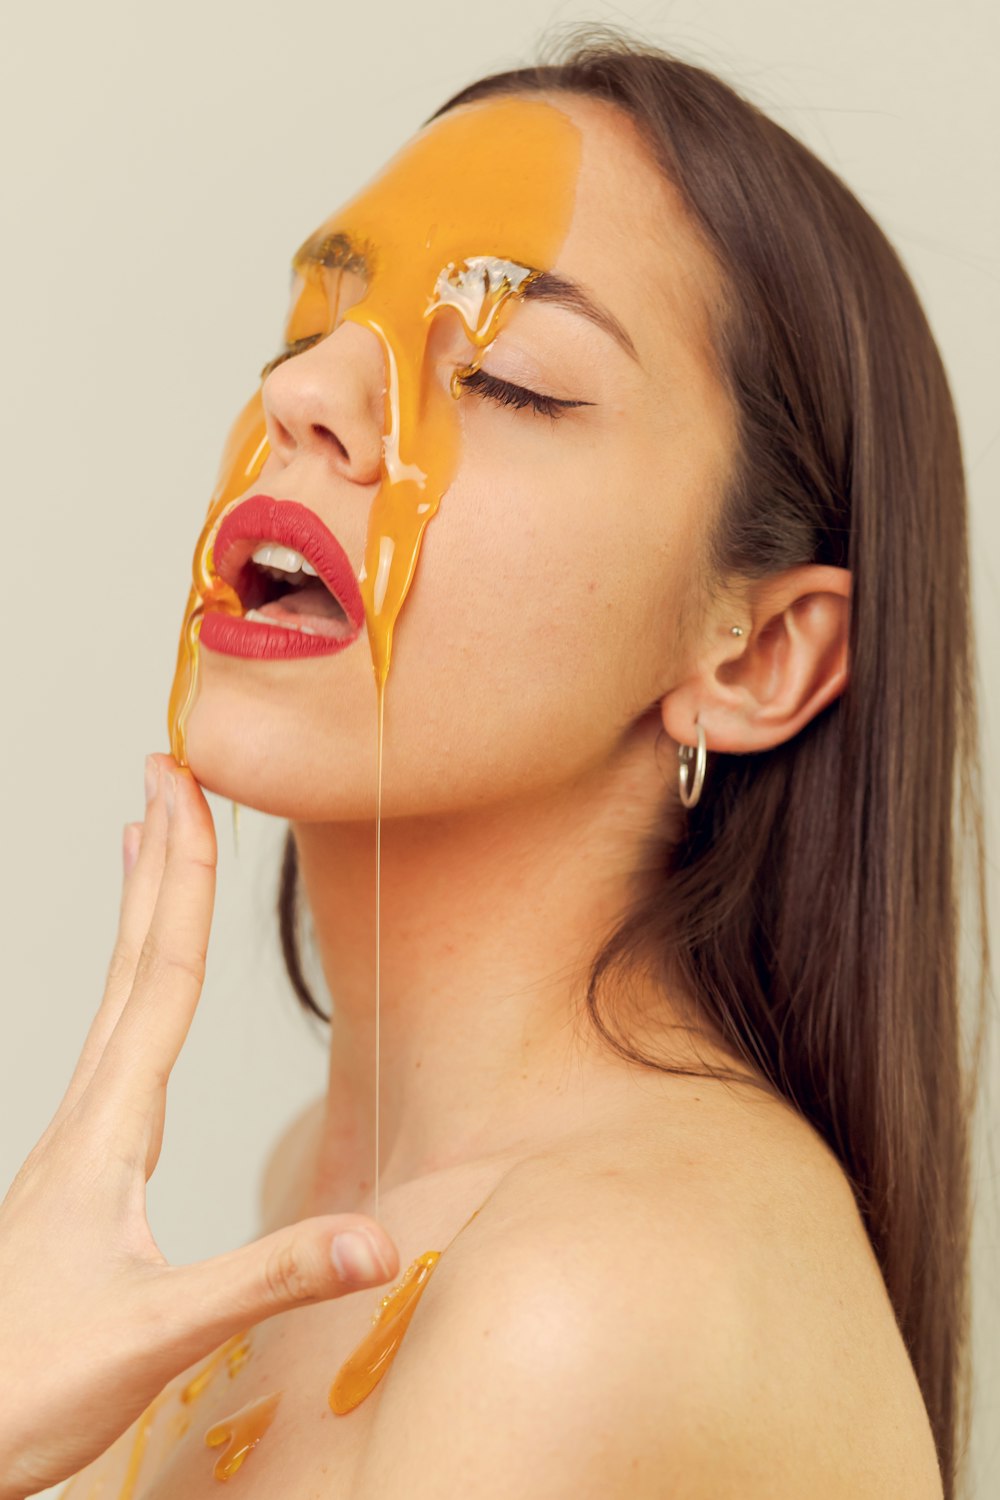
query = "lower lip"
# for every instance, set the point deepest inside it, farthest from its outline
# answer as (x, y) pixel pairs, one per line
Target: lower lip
(233, 636)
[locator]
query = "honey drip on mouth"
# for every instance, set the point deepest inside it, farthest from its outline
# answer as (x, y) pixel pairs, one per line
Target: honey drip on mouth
(453, 227)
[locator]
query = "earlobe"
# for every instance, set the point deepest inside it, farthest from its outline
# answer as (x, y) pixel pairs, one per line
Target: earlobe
(755, 691)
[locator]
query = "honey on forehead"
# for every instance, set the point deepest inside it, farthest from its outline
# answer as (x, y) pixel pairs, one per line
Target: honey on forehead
(453, 227)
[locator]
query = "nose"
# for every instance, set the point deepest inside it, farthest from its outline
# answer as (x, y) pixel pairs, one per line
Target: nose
(327, 404)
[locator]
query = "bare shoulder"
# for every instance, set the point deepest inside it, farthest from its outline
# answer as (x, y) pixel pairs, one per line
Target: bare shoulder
(690, 1308)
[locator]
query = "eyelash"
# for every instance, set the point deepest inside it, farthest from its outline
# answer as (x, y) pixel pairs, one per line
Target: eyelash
(504, 392)
(507, 394)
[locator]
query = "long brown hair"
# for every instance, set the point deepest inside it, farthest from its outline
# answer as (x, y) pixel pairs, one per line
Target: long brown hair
(811, 902)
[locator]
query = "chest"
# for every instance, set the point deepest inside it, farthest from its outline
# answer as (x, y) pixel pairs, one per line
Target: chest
(262, 1409)
(259, 1412)
(271, 1392)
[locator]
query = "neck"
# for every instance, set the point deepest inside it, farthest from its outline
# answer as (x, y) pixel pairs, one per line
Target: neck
(489, 921)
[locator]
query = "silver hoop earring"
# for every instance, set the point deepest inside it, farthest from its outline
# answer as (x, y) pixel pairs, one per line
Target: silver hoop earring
(685, 754)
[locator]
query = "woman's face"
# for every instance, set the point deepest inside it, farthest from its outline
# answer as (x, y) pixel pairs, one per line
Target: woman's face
(557, 584)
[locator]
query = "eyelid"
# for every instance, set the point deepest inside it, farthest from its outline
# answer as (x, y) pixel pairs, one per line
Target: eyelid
(503, 392)
(507, 393)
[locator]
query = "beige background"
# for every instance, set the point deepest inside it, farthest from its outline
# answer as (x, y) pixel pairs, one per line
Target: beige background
(162, 164)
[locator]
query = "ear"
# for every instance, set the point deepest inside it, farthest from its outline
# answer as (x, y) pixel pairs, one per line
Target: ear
(753, 691)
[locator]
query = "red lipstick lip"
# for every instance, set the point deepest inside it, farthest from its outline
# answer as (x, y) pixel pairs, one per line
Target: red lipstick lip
(264, 519)
(234, 636)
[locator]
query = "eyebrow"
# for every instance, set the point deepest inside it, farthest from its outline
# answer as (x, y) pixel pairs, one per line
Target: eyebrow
(339, 250)
(550, 286)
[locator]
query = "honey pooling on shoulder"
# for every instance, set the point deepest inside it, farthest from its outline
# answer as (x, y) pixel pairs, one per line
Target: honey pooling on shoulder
(454, 226)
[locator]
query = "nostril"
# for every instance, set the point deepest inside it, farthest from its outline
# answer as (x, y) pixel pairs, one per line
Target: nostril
(283, 438)
(325, 435)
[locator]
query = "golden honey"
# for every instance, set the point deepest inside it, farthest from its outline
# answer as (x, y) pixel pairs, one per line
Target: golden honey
(241, 1433)
(456, 221)
(455, 226)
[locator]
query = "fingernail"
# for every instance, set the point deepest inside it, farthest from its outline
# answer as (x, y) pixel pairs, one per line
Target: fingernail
(169, 793)
(152, 778)
(355, 1259)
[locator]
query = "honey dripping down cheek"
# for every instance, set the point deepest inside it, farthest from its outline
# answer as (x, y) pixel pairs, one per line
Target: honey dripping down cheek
(458, 220)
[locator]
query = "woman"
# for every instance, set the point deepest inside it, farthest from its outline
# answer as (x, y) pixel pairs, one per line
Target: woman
(714, 498)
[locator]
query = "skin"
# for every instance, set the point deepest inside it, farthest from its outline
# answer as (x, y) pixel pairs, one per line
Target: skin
(715, 1248)
(714, 1243)
(559, 620)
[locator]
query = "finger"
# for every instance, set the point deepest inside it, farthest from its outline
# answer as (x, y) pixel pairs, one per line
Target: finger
(140, 886)
(131, 844)
(155, 1018)
(300, 1264)
(138, 899)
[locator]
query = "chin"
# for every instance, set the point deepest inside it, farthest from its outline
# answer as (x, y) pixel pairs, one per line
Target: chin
(230, 756)
(257, 752)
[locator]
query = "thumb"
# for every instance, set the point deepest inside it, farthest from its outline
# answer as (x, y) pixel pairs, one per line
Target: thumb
(314, 1260)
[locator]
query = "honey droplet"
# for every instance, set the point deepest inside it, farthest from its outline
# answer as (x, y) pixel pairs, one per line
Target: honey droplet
(361, 1372)
(241, 1432)
(234, 1353)
(139, 1443)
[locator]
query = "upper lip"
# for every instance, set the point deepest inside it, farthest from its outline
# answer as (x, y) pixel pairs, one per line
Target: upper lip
(264, 519)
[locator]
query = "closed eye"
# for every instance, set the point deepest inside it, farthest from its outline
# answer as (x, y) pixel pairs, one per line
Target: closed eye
(507, 394)
(504, 392)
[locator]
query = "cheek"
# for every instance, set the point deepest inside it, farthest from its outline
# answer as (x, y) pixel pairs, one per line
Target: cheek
(516, 648)
(518, 567)
(539, 625)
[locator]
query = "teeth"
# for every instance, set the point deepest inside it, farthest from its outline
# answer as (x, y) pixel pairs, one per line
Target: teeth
(255, 614)
(286, 559)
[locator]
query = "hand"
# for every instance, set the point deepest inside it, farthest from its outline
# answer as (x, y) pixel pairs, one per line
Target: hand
(93, 1321)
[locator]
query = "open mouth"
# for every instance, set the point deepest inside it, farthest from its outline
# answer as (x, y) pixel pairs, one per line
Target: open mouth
(288, 569)
(278, 586)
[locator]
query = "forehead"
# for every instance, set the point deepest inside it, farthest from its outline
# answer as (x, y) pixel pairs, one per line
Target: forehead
(633, 240)
(495, 180)
(545, 180)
